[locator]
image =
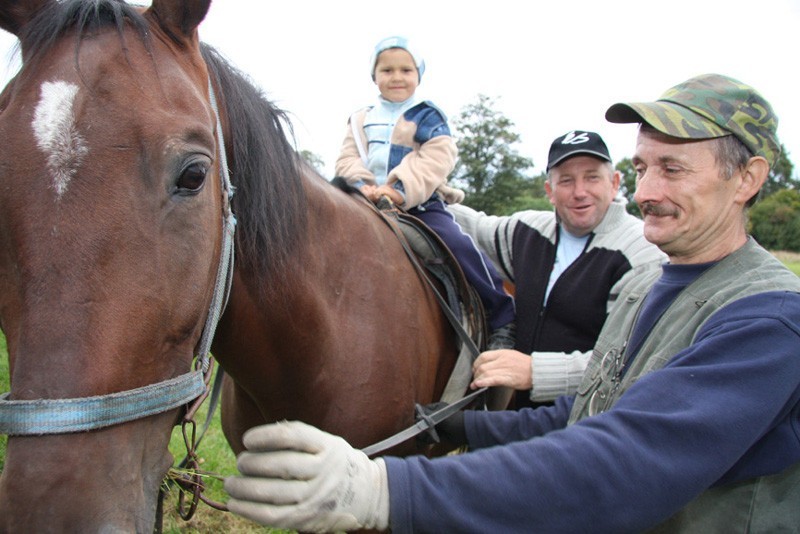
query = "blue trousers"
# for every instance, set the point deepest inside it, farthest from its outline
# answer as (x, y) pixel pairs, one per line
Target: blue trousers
(479, 271)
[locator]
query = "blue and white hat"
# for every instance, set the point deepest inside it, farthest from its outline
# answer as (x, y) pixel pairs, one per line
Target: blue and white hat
(396, 42)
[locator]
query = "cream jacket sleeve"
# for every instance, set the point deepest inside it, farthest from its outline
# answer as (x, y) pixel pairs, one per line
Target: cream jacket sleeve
(351, 164)
(425, 170)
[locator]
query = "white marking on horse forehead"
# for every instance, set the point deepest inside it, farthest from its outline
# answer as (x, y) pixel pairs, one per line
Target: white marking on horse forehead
(56, 134)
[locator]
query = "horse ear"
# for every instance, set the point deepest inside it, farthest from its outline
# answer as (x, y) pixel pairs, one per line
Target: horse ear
(15, 14)
(179, 18)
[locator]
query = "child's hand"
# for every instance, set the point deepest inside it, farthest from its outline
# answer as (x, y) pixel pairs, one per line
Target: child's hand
(388, 191)
(368, 190)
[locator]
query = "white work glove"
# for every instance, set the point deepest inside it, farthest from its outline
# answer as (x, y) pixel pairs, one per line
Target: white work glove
(299, 477)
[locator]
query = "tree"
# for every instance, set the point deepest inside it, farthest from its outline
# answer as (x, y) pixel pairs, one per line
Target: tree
(775, 221)
(627, 185)
(489, 169)
(780, 176)
(312, 159)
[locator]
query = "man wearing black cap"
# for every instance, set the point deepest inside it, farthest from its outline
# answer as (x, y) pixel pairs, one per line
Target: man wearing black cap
(567, 267)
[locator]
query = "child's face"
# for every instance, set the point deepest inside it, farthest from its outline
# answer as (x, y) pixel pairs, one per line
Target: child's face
(396, 75)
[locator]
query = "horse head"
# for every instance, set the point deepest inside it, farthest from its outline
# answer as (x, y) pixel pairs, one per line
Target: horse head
(110, 242)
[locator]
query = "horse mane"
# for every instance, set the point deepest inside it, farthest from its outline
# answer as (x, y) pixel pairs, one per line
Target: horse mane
(269, 204)
(269, 201)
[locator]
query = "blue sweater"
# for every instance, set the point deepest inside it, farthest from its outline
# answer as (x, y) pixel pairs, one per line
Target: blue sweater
(725, 409)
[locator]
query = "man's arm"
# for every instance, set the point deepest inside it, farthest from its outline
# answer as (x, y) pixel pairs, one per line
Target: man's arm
(491, 233)
(675, 433)
(721, 411)
(548, 375)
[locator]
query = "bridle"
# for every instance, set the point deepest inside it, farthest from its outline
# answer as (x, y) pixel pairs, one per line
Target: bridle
(61, 416)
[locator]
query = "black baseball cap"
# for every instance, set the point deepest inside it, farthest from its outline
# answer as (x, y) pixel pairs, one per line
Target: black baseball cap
(576, 143)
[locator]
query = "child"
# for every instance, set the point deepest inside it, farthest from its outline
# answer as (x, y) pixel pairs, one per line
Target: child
(401, 148)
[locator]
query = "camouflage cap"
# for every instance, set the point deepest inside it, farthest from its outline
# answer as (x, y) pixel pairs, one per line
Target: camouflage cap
(706, 107)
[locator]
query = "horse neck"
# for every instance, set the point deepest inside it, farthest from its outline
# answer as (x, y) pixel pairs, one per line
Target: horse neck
(321, 252)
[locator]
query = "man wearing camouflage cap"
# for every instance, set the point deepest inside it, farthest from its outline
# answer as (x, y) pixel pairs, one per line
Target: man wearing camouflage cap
(688, 416)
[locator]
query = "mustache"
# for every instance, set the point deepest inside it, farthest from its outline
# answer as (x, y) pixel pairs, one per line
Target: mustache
(657, 210)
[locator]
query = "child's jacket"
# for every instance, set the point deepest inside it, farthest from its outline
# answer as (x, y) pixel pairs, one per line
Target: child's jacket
(421, 156)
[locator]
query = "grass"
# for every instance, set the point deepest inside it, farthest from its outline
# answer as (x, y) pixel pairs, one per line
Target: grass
(4, 386)
(216, 457)
(790, 259)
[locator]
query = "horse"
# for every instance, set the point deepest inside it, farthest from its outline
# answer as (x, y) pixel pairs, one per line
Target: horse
(114, 232)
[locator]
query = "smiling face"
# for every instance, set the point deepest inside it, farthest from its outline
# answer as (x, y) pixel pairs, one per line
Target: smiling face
(396, 75)
(690, 210)
(581, 189)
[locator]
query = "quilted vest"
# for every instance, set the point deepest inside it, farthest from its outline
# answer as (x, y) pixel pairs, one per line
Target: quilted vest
(763, 504)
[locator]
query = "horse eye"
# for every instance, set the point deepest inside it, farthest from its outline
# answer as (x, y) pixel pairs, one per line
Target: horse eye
(192, 178)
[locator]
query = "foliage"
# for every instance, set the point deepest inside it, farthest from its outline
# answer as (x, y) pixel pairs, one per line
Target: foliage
(217, 459)
(775, 221)
(532, 198)
(527, 202)
(627, 185)
(780, 176)
(490, 170)
(312, 159)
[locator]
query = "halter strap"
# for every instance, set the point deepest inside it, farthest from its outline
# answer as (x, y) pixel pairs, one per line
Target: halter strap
(224, 280)
(59, 416)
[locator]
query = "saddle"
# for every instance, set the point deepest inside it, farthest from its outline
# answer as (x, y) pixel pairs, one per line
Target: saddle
(436, 263)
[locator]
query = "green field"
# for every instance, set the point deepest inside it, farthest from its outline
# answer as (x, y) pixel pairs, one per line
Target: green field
(216, 457)
(790, 259)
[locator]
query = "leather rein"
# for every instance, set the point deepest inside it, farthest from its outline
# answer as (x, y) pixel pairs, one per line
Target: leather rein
(463, 367)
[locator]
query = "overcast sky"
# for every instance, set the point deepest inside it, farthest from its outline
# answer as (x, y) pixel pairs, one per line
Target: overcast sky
(553, 66)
